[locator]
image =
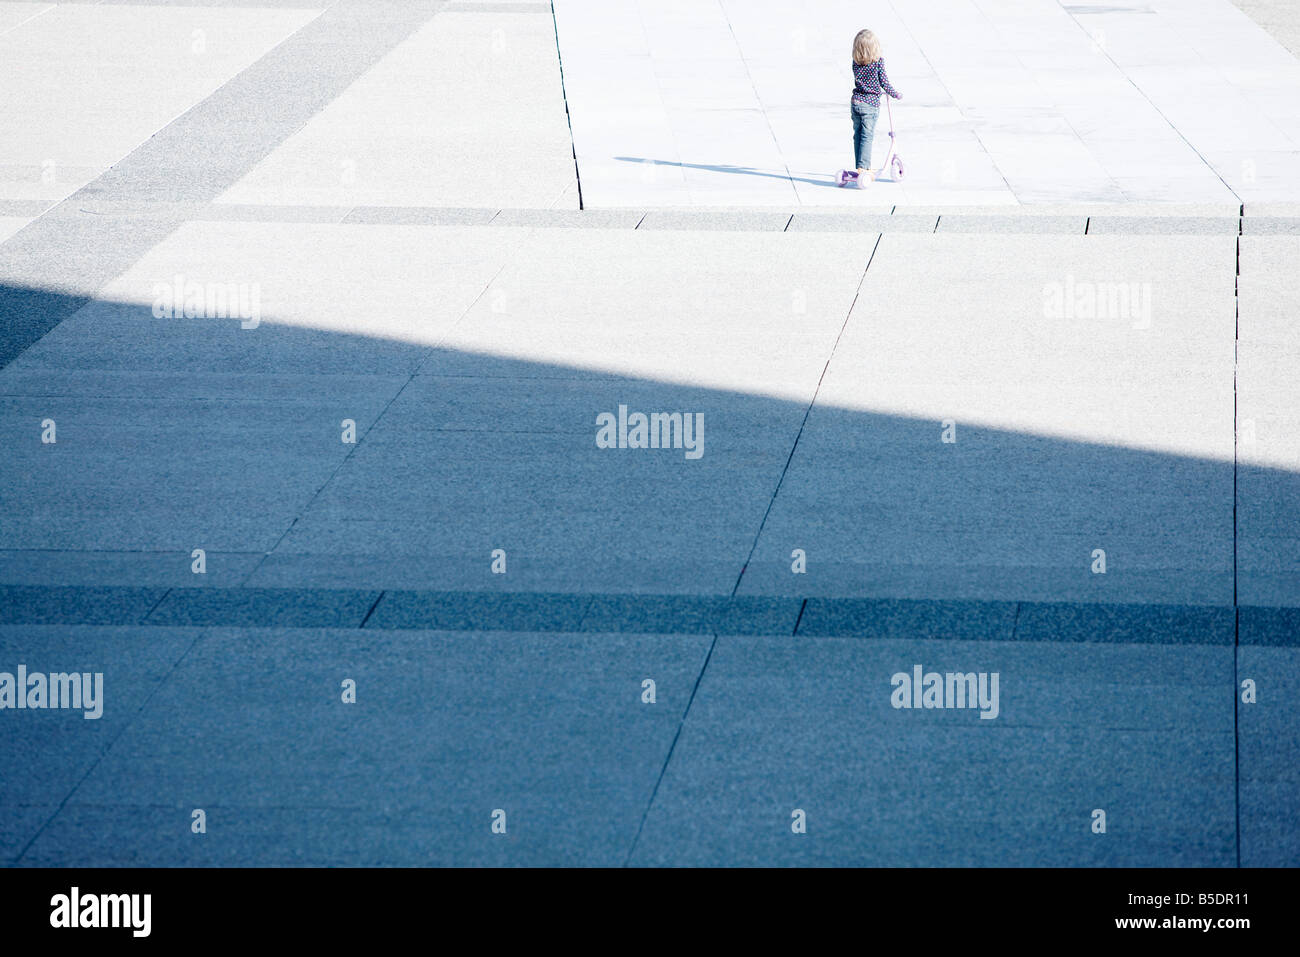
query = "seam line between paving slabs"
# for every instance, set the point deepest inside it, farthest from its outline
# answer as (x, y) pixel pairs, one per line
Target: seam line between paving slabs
(789, 177)
(1236, 727)
(564, 95)
(103, 754)
(807, 412)
(586, 610)
(357, 445)
(161, 598)
(951, 99)
(802, 607)
(378, 599)
(27, 20)
(1236, 617)
(671, 748)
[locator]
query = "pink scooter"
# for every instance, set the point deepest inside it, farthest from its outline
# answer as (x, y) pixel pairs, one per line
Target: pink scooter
(892, 159)
(893, 162)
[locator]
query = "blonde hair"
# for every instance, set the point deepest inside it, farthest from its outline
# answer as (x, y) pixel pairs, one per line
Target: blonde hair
(866, 47)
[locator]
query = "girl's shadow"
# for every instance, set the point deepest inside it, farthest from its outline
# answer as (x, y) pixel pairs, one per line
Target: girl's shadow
(742, 170)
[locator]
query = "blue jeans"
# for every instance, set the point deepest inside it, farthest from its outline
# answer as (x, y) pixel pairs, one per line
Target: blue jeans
(864, 130)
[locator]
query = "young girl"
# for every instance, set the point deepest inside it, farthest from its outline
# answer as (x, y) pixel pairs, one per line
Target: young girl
(869, 81)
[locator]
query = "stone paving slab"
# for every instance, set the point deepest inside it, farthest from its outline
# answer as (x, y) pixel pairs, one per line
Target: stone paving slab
(453, 611)
(1126, 624)
(1220, 210)
(692, 614)
(775, 298)
(1268, 626)
(185, 211)
(264, 607)
(107, 605)
(333, 299)
(87, 490)
(438, 121)
(986, 621)
(1278, 210)
(416, 215)
(1148, 225)
(1269, 225)
(48, 752)
(1132, 730)
(1269, 753)
(25, 209)
(10, 225)
(862, 223)
(1268, 397)
(550, 729)
(693, 219)
(1011, 224)
(140, 569)
(571, 218)
(963, 331)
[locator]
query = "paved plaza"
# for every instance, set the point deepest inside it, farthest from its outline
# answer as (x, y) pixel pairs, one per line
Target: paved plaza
(480, 432)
